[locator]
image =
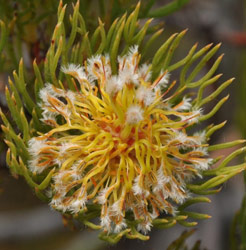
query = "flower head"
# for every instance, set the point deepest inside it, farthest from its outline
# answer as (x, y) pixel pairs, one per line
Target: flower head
(119, 142)
(122, 140)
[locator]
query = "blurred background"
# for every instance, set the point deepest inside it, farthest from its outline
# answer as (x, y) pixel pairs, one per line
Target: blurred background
(27, 223)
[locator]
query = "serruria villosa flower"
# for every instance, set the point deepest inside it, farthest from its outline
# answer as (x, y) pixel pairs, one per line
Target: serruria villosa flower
(121, 144)
(115, 141)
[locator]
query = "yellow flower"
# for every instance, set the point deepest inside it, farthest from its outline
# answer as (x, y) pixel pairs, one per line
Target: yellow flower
(119, 141)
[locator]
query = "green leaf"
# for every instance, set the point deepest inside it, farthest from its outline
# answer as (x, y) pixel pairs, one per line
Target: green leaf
(168, 9)
(3, 35)
(194, 200)
(114, 48)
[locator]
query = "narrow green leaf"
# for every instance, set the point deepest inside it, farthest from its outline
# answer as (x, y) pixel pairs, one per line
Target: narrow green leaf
(61, 12)
(151, 41)
(225, 145)
(54, 59)
(214, 110)
(194, 200)
(15, 111)
(161, 51)
(47, 180)
(190, 62)
(146, 8)
(134, 234)
(188, 224)
(103, 38)
(197, 216)
(87, 45)
(207, 76)
(183, 61)
(133, 23)
(110, 34)
(15, 94)
(231, 157)
(115, 45)
(11, 147)
(166, 225)
(81, 24)
(73, 32)
(160, 221)
(3, 35)
(138, 38)
(216, 92)
(203, 86)
(94, 38)
(25, 173)
(20, 145)
(172, 49)
(13, 164)
(91, 225)
(194, 189)
(214, 128)
(21, 86)
(203, 61)
(25, 126)
(5, 120)
(168, 8)
(39, 84)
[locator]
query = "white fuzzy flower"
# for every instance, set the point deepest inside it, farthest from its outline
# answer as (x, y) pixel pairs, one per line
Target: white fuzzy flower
(48, 117)
(132, 56)
(115, 209)
(128, 72)
(161, 180)
(202, 164)
(154, 214)
(145, 95)
(77, 205)
(47, 94)
(201, 150)
(106, 222)
(144, 72)
(113, 85)
(47, 91)
(193, 117)
(71, 96)
(102, 198)
(164, 79)
(137, 189)
(133, 50)
(75, 70)
(184, 105)
(134, 114)
(33, 166)
(184, 139)
(200, 137)
(144, 227)
(179, 137)
(35, 145)
(65, 147)
(120, 226)
(128, 75)
(177, 193)
(77, 164)
(57, 203)
(161, 81)
(99, 66)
